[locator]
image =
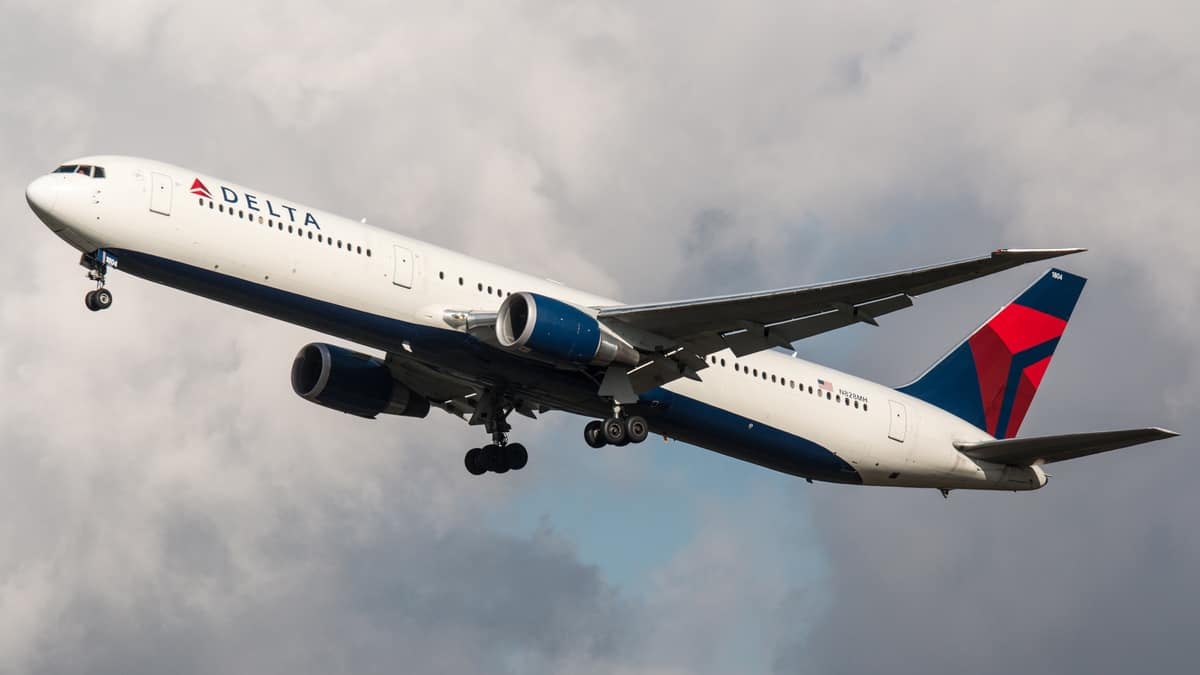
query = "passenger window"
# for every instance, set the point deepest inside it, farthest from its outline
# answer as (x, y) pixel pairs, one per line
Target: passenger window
(310, 234)
(359, 250)
(864, 407)
(202, 201)
(480, 287)
(221, 208)
(722, 363)
(772, 379)
(368, 253)
(489, 290)
(289, 229)
(810, 390)
(856, 405)
(828, 396)
(460, 281)
(241, 214)
(441, 275)
(210, 204)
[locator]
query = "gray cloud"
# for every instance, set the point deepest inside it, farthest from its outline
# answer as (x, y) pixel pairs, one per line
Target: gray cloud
(171, 506)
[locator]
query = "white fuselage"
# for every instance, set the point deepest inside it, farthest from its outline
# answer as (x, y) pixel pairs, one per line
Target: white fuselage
(151, 208)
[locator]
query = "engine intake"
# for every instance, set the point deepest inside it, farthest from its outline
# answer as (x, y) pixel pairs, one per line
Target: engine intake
(352, 383)
(553, 329)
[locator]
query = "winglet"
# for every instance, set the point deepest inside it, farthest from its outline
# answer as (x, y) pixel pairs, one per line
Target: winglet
(1034, 254)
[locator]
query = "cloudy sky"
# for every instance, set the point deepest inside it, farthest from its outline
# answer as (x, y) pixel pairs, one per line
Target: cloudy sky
(169, 505)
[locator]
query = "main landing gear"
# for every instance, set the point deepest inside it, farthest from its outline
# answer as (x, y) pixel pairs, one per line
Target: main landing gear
(97, 267)
(499, 456)
(616, 430)
(496, 458)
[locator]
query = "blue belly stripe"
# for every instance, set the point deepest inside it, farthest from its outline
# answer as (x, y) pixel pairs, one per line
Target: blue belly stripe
(680, 417)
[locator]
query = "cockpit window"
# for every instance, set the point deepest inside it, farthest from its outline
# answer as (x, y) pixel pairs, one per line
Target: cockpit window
(85, 169)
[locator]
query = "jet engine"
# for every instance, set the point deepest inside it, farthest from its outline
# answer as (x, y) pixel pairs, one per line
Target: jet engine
(353, 383)
(559, 331)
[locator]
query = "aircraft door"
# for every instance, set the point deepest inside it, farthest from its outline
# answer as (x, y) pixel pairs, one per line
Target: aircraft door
(403, 274)
(160, 193)
(899, 421)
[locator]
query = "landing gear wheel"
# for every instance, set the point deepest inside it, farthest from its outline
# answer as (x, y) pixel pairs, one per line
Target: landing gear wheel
(99, 299)
(615, 432)
(515, 456)
(593, 434)
(495, 458)
(474, 462)
(636, 429)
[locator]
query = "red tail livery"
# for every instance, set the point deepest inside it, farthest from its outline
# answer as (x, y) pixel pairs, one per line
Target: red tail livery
(990, 379)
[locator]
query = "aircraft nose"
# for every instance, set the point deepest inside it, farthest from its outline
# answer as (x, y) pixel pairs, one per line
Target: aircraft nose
(41, 195)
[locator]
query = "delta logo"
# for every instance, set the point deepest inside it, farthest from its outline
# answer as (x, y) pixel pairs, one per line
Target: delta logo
(254, 203)
(198, 188)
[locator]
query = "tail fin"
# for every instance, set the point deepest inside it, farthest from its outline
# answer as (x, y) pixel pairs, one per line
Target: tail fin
(990, 378)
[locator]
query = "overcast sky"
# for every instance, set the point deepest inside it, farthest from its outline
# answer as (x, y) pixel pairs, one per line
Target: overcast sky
(169, 505)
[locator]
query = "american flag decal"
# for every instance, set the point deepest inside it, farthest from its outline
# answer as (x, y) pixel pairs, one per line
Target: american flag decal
(824, 385)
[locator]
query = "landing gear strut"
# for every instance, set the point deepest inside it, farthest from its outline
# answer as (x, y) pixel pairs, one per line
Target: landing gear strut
(499, 456)
(97, 267)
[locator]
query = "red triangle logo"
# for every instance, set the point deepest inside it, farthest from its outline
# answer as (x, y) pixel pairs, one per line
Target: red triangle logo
(199, 189)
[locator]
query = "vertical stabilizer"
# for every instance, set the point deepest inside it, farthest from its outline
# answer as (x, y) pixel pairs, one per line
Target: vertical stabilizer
(990, 378)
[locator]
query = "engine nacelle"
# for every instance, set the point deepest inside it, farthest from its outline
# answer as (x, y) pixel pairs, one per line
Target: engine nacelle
(553, 329)
(352, 383)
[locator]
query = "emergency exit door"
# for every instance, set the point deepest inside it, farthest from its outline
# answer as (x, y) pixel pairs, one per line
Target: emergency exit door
(403, 274)
(160, 193)
(899, 421)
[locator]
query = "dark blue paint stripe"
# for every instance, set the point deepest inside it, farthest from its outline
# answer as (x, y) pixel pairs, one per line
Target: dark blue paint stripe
(680, 417)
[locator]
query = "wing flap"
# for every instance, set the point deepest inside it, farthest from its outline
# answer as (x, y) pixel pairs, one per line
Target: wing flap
(1046, 449)
(784, 334)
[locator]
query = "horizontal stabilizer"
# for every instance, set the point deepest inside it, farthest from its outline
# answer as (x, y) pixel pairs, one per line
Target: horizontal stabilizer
(1046, 449)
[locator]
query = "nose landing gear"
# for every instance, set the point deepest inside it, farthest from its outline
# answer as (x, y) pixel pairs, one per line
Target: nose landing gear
(98, 299)
(97, 266)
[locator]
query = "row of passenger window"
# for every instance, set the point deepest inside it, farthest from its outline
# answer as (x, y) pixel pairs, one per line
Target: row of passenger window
(299, 231)
(790, 384)
(479, 286)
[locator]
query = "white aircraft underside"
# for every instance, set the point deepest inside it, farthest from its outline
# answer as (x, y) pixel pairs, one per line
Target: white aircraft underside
(482, 341)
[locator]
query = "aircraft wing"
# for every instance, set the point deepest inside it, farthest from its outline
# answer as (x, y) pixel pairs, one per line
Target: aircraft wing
(1046, 449)
(789, 314)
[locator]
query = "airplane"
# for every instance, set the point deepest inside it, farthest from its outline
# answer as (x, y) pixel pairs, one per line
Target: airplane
(482, 342)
